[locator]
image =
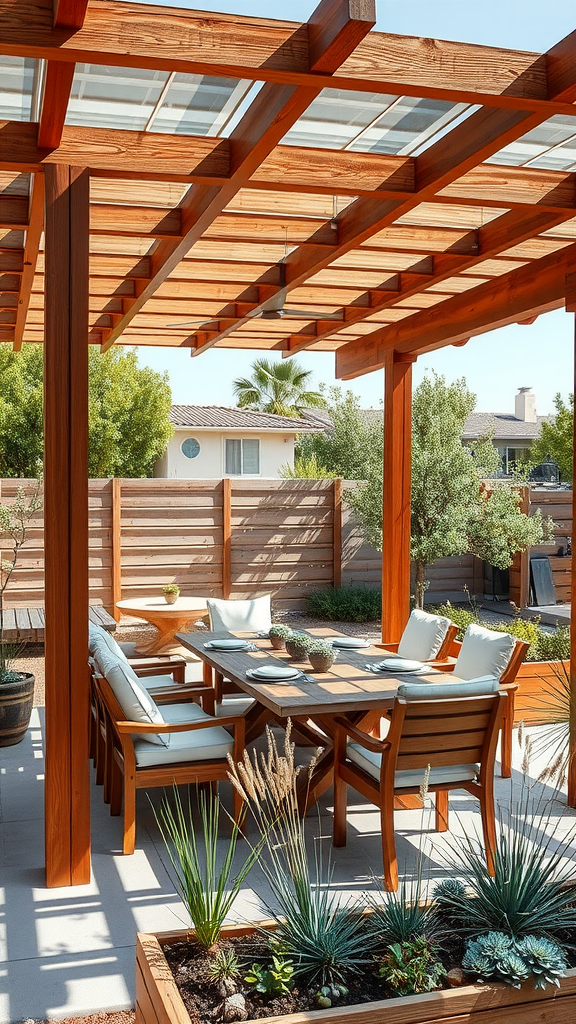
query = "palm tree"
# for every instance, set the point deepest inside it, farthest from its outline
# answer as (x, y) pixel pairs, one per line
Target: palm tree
(280, 388)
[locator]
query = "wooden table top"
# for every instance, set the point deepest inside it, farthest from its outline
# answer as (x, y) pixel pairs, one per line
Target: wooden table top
(158, 606)
(348, 686)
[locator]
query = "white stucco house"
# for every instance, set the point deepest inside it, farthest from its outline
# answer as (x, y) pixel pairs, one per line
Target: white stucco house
(212, 441)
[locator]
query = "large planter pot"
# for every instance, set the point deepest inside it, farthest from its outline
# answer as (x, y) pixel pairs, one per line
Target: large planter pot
(16, 701)
(158, 1000)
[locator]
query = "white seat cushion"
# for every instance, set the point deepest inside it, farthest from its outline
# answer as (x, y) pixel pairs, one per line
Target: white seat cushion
(152, 683)
(449, 691)
(252, 615)
(134, 699)
(483, 653)
(423, 636)
(234, 705)
(371, 762)
(203, 745)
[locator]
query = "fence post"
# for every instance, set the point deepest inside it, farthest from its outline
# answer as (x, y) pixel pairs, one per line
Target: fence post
(226, 537)
(116, 546)
(337, 540)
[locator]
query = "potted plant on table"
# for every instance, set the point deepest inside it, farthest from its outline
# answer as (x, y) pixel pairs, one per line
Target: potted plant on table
(278, 635)
(171, 593)
(321, 655)
(16, 688)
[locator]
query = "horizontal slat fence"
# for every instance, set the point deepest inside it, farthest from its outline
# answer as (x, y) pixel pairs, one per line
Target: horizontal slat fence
(558, 505)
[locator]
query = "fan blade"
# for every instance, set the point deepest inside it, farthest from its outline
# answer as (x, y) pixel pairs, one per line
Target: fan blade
(312, 314)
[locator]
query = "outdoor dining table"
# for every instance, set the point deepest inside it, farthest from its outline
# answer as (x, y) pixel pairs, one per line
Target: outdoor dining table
(312, 700)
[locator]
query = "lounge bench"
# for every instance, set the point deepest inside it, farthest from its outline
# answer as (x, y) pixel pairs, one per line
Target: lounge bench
(28, 623)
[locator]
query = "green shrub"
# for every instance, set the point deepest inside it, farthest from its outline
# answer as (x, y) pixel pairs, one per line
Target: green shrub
(272, 981)
(411, 967)
(545, 645)
(346, 604)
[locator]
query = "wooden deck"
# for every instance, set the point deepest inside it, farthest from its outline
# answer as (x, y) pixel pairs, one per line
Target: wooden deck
(28, 623)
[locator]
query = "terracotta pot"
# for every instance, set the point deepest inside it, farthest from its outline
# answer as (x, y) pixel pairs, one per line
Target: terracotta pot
(278, 643)
(322, 662)
(171, 598)
(16, 701)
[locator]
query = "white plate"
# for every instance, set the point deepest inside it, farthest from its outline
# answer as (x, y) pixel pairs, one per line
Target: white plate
(350, 642)
(227, 645)
(273, 673)
(402, 665)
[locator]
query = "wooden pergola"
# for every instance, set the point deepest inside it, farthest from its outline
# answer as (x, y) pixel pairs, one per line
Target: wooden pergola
(179, 178)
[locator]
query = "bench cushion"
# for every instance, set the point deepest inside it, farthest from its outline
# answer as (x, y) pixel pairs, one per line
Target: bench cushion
(204, 745)
(97, 636)
(423, 636)
(449, 691)
(371, 762)
(484, 652)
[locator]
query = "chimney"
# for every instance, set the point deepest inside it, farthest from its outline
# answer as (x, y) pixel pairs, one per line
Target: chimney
(525, 405)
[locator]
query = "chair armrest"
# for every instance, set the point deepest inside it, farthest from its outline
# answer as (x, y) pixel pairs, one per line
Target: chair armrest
(370, 742)
(168, 727)
(442, 666)
(183, 694)
(144, 667)
(393, 648)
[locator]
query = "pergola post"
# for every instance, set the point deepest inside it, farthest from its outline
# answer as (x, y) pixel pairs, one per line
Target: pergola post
(396, 495)
(67, 787)
(571, 308)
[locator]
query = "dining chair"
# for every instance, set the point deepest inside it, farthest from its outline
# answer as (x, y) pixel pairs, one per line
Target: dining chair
(251, 616)
(426, 637)
(446, 731)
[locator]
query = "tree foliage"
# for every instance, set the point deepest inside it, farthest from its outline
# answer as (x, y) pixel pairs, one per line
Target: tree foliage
(129, 408)
(352, 446)
(556, 438)
(282, 387)
(452, 512)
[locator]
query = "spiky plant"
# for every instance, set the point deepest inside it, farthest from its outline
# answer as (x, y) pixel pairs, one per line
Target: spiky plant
(325, 942)
(448, 888)
(404, 916)
(224, 966)
(552, 706)
(531, 891)
(207, 891)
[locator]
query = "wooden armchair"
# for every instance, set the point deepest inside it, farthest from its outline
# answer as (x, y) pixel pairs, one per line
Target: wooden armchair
(197, 753)
(442, 653)
(457, 737)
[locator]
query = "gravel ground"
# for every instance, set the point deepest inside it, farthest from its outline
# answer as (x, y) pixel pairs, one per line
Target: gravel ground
(121, 1017)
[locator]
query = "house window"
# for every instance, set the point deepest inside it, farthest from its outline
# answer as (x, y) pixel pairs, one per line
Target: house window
(190, 448)
(242, 456)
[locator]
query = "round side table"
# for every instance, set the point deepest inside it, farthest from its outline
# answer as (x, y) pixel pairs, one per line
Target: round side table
(168, 619)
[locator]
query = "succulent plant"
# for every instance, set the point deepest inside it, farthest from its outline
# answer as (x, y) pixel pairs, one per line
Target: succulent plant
(448, 890)
(322, 655)
(500, 957)
(280, 631)
(298, 645)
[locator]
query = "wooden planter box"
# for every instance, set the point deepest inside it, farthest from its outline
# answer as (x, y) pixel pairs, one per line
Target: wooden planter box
(158, 1000)
(533, 679)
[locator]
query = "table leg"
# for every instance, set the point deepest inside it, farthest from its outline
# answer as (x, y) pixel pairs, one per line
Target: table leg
(164, 642)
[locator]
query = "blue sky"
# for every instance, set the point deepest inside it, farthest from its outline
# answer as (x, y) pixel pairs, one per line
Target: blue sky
(495, 364)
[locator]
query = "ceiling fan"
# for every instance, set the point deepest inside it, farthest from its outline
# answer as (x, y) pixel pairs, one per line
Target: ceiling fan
(272, 309)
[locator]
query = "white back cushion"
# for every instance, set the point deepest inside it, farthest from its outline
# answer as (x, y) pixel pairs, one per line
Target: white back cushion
(98, 635)
(447, 691)
(134, 699)
(483, 653)
(423, 636)
(241, 615)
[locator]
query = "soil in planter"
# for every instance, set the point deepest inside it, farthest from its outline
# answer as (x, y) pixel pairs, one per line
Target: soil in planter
(189, 964)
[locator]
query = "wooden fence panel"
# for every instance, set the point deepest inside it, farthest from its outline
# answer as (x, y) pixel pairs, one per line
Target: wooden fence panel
(558, 505)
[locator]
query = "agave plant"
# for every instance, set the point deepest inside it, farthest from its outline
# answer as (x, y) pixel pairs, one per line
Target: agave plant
(404, 916)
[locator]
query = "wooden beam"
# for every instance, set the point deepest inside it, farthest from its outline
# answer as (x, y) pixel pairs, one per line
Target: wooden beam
(278, 51)
(58, 78)
(533, 289)
(31, 251)
(67, 786)
(396, 497)
(274, 110)
(70, 13)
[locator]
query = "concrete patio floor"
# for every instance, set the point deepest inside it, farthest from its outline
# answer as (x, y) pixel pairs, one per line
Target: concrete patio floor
(67, 952)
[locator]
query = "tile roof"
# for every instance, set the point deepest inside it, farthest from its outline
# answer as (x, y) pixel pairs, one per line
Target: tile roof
(501, 425)
(219, 416)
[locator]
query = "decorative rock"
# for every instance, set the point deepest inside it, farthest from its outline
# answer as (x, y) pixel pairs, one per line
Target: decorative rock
(456, 977)
(232, 1008)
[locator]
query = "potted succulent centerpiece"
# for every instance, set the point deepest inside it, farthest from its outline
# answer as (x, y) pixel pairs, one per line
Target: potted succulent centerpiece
(278, 635)
(171, 593)
(16, 687)
(321, 655)
(298, 645)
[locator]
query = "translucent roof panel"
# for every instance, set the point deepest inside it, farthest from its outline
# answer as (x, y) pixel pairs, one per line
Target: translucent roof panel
(17, 76)
(552, 145)
(336, 118)
(106, 97)
(373, 123)
(197, 104)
